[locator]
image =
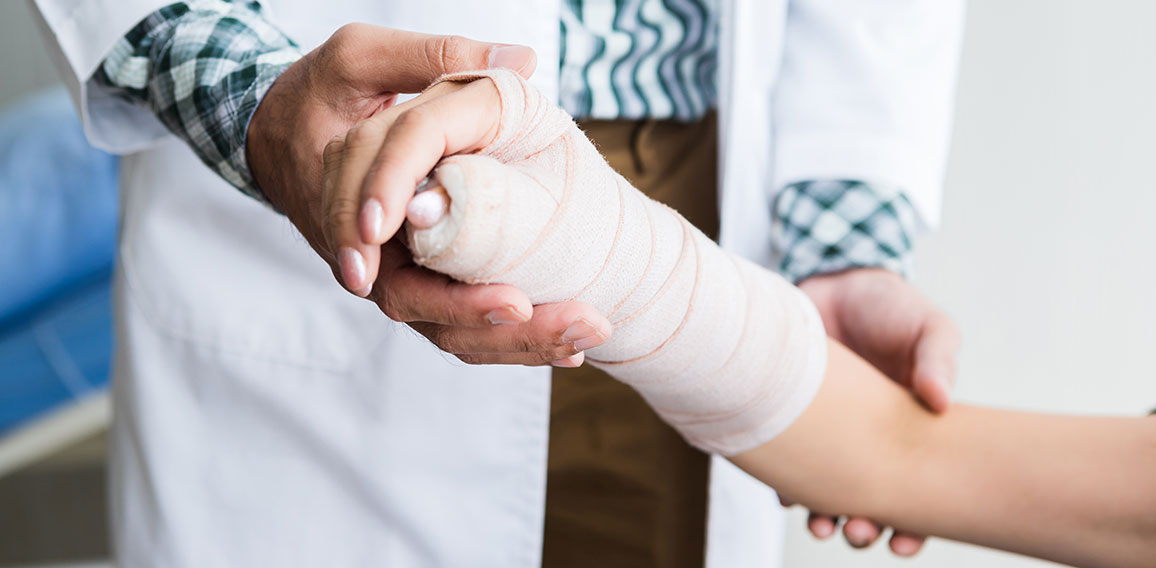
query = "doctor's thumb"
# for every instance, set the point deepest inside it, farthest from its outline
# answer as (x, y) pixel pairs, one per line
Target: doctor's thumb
(935, 360)
(454, 54)
(384, 60)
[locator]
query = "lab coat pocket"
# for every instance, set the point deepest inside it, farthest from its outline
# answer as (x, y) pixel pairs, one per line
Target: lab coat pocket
(212, 267)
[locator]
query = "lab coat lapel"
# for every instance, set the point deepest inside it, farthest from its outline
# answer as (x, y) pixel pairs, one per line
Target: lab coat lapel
(745, 526)
(450, 460)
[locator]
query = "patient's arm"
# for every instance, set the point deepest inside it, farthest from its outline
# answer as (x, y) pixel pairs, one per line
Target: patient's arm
(979, 475)
(736, 358)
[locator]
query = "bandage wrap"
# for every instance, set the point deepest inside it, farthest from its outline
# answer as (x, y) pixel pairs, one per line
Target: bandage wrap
(727, 352)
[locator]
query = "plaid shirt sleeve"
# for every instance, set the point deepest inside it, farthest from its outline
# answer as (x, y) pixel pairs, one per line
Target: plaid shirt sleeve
(202, 67)
(828, 226)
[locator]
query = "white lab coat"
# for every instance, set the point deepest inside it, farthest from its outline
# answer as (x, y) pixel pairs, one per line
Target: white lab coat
(264, 417)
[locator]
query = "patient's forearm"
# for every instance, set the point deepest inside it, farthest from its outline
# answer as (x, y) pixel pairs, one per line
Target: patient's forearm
(732, 356)
(1079, 490)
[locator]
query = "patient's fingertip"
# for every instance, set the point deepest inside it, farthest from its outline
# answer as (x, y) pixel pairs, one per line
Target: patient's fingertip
(427, 208)
(353, 271)
(372, 221)
(820, 526)
(905, 545)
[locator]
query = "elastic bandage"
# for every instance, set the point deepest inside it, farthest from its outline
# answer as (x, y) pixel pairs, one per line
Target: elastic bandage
(728, 353)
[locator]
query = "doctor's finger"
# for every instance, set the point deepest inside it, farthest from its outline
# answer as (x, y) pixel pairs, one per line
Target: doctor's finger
(906, 544)
(822, 526)
(441, 336)
(461, 121)
(410, 293)
(523, 359)
(935, 361)
(379, 59)
(861, 532)
(346, 160)
(331, 167)
(557, 331)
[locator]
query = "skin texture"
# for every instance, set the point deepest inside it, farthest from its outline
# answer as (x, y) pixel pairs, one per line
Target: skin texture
(977, 475)
(353, 76)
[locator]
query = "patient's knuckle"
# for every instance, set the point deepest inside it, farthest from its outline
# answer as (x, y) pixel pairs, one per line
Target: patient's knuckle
(365, 133)
(340, 213)
(415, 118)
(331, 156)
(334, 147)
(341, 207)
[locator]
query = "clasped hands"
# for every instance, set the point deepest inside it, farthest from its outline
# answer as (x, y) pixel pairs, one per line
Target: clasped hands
(332, 150)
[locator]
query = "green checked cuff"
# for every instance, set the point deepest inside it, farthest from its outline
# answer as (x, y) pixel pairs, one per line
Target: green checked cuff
(202, 67)
(832, 225)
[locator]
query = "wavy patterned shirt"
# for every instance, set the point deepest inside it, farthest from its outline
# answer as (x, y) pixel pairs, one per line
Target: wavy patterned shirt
(630, 59)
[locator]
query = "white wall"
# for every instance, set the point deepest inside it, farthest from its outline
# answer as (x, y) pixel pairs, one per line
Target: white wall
(1046, 255)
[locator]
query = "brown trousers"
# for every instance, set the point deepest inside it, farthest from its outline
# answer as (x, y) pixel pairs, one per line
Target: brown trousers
(623, 488)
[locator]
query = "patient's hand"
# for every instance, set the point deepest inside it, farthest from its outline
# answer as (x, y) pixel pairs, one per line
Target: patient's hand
(370, 174)
(885, 320)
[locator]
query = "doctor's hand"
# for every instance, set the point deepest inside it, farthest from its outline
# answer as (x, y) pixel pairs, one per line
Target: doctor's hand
(885, 320)
(354, 79)
(380, 161)
(354, 75)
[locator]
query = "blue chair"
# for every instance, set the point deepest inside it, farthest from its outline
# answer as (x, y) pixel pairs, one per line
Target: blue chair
(58, 218)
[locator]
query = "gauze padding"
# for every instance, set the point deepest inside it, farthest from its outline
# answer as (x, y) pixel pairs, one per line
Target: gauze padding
(728, 353)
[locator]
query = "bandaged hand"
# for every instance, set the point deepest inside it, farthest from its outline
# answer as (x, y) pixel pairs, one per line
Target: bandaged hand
(369, 176)
(726, 352)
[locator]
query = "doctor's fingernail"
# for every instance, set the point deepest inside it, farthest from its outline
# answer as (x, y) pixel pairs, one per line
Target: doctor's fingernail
(352, 266)
(514, 57)
(583, 335)
(506, 315)
(570, 362)
(372, 219)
